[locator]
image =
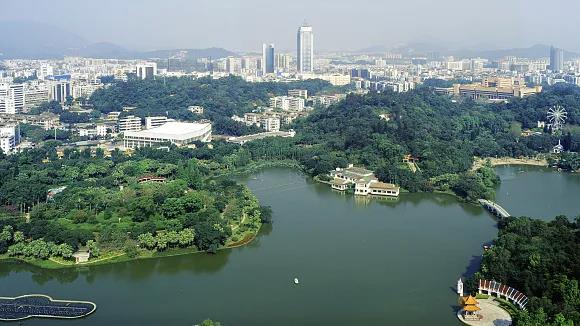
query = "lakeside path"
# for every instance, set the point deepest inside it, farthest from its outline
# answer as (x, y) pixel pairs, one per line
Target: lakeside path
(535, 161)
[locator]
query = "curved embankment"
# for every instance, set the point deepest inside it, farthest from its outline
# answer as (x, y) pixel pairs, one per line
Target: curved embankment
(43, 306)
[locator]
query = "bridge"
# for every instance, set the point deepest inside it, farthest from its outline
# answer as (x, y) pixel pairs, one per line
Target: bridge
(494, 208)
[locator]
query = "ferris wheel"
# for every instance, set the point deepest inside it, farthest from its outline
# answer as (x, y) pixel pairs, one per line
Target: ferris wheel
(557, 116)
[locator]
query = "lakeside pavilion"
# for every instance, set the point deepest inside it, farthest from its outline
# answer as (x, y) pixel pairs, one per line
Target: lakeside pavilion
(470, 308)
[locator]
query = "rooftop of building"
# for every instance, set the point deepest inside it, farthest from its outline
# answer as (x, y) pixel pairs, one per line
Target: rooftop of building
(172, 130)
(353, 172)
(383, 185)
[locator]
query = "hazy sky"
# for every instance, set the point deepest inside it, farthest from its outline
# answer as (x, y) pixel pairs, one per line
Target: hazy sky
(338, 24)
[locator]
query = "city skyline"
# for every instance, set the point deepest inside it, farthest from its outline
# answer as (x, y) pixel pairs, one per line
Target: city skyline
(232, 25)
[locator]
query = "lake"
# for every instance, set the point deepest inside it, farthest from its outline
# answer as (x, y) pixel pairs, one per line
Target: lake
(371, 262)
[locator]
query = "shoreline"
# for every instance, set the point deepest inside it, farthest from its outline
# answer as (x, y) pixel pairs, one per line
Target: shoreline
(479, 162)
(51, 264)
(119, 258)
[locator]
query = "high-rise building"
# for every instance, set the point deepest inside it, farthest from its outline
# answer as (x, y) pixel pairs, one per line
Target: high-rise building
(147, 70)
(556, 59)
(60, 91)
(305, 49)
(11, 98)
(267, 59)
(282, 62)
(44, 71)
(233, 65)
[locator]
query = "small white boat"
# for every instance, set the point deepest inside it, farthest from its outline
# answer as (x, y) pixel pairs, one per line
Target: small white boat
(296, 280)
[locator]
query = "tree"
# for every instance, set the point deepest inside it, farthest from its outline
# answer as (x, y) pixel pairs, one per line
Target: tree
(131, 249)
(6, 234)
(65, 250)
(147, 240)
(93, 248)
(186, 237)
(209, 322)
(18, 236)
(266, 214)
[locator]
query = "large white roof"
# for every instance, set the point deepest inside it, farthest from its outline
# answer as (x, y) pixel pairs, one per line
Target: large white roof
(173, 130)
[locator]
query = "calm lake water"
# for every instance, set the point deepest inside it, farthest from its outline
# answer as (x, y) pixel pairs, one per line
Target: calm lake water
(538, 192)
(371, 262)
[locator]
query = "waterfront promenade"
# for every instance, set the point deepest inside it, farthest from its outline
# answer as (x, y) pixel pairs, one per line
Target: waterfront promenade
(492, 313)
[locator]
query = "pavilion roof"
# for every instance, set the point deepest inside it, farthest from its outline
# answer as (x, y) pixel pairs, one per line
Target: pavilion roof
(471, 308)
(469, 300)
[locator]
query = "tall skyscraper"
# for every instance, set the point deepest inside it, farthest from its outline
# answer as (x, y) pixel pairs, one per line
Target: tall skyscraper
(556, 59)
(305, 49)
(267, 59)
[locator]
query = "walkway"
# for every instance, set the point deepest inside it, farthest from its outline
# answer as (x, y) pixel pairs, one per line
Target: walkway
(493, 314)
(494, 208)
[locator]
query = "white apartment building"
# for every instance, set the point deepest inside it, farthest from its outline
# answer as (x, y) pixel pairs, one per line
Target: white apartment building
(195, 109)
(44, 71)
(154, 122)
(327, 100)
(99, 130)
(129, 123)
(9, 137)
(303, 93)
(11, 98)
(113, 116)
(83, 89)
(335, 79)
(35, 94)
(252, 118)
(270, 123)
(287, 103)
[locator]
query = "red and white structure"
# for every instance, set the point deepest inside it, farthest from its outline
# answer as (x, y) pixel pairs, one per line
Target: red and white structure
(493, 287)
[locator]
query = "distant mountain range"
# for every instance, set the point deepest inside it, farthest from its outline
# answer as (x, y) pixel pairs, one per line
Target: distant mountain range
(41, 41)
(423, 49)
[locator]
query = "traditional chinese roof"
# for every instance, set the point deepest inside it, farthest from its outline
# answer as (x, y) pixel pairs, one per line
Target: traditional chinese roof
(471, 308)
(469, 300)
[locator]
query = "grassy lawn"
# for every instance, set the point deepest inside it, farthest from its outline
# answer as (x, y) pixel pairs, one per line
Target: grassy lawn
(482, 296)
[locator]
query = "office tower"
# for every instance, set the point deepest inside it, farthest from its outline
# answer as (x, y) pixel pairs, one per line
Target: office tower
(267, 59)
(60, 91)
(305, 49)
(556, 59)
(146, 70)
